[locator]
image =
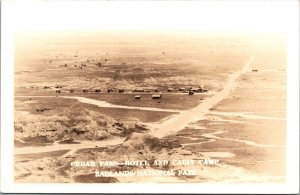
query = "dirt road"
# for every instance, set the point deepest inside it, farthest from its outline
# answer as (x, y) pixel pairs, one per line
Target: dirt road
(181, 120)
(105, 104)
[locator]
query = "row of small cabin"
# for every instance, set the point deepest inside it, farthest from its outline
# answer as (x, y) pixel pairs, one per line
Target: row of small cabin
(96, 91)
(154, 96)
(170, 89)
(191, 89)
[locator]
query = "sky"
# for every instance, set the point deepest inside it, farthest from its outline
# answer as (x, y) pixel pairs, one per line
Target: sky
(216, 15)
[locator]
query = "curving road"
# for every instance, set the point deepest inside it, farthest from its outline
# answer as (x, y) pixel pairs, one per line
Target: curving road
(105, 104)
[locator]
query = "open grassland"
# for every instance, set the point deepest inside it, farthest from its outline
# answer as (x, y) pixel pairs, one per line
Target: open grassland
(180, 101)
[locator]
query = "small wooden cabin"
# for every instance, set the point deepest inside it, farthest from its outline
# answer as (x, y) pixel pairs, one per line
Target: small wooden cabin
(139, 90)
(156, 96)
(196, 89)
(137, 97)
(170, 89)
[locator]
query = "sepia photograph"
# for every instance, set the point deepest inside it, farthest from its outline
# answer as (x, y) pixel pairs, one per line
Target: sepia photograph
(156, 92)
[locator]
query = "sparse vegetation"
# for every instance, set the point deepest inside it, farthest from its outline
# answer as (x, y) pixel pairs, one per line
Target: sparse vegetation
(130, 62)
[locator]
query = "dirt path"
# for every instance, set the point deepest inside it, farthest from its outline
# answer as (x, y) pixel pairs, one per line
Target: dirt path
(105, 104)
(71, 147)
(181, 120)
